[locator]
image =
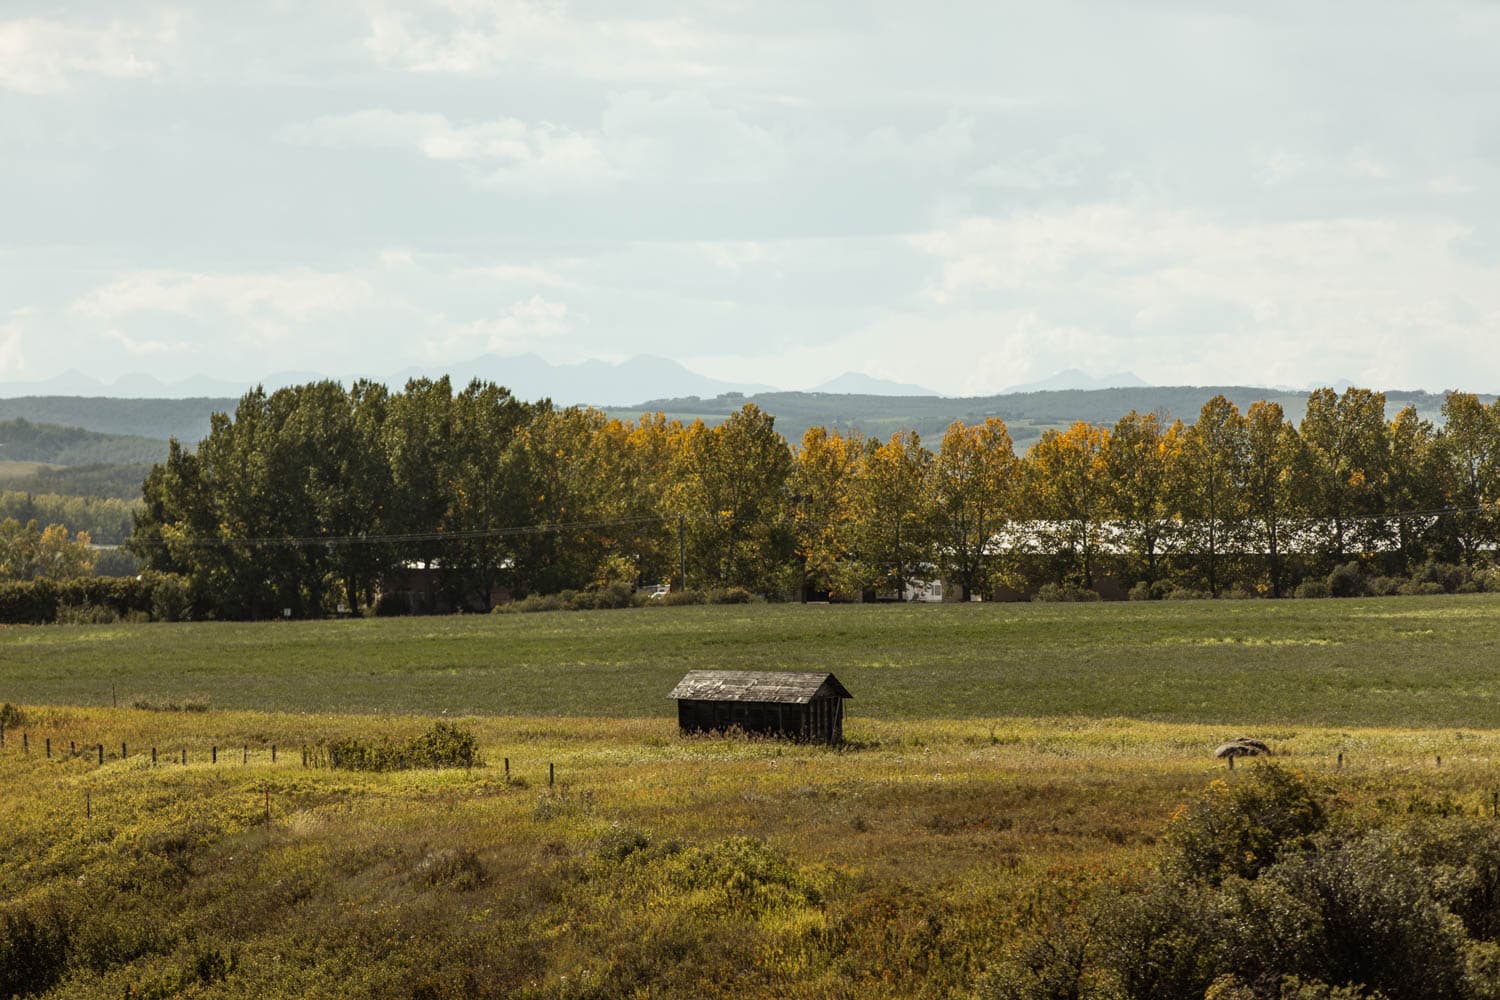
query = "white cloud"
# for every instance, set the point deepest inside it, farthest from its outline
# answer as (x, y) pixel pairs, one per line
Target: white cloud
(503, 152)
(43, 55)
(1371, 298)
(12, 359)
(268, 304)
(478, 37)
(519, 328)
(139, 347)
(640, 137)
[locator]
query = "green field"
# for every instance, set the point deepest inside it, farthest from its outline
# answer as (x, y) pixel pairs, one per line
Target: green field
(1009, 765)
(1425, 661)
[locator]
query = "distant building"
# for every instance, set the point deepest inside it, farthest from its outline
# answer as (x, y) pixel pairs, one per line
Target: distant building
(799, 706)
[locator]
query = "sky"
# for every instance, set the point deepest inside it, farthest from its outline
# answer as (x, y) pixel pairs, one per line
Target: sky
(967, 195)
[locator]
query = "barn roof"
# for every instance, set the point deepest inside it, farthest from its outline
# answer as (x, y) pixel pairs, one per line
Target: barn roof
(777, 686)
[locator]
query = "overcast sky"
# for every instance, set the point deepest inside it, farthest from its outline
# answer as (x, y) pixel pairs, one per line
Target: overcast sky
(965, 195)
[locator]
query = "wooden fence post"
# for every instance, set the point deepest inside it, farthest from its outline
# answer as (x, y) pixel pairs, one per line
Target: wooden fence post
(184, 756)
(26, 743)
(88, 804)
(49, 748)
(153, 756)
(1341, 760)
(551, 775)
(507, 770)
(101, 755)
(213, 752)
(246, 758)
(273, 753)
(123, 754)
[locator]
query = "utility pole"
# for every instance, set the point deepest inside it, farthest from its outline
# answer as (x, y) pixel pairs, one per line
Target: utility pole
(682, 551)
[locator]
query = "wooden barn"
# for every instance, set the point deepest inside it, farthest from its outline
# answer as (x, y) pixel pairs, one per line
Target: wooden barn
(800, 706)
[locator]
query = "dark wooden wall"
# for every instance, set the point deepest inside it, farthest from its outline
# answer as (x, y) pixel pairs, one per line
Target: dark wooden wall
(821, 720)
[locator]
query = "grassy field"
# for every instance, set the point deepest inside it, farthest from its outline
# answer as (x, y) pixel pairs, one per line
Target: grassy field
(657, 866)
(1390, 661)
(1000, 755)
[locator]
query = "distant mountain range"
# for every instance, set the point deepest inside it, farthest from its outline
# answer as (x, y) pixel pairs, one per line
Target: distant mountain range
(527, 375)
(598, 383)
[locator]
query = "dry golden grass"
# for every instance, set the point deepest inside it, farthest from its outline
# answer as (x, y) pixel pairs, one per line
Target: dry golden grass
(658, 865)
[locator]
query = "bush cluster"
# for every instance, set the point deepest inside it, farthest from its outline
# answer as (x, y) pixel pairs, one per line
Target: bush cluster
(1066, 592)
(444, 745)
(1353, 579)
(621, 595)
(1263, 895)
(158, 596)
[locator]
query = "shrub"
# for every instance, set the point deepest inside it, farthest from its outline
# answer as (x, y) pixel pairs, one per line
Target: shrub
(1418, 588)
(30, 602)
(34, 943)
(530, 604)
(11, 716)
(1386, 586)
(730, 595)
(1447, 576)
(1141, 591)
(1188, 594)
(1065, 592)
(87, 614)
(1378, 921)
(1347, 580)
(444, 745)
(170, 599)
(678, 598)
(1311, 589)
(1242, 827)
(457, 869)
(189, 703)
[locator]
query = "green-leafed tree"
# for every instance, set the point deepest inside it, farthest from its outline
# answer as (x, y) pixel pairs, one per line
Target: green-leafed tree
(891, 511)
(1214, 507)
(1142, 459)
(974, 481)
(730, 489)
(1272, 456)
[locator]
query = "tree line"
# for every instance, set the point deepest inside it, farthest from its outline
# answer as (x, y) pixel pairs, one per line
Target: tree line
(319, 495)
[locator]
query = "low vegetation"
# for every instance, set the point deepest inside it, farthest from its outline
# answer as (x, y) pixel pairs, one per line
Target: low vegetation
(936, 859)
(1423, 661)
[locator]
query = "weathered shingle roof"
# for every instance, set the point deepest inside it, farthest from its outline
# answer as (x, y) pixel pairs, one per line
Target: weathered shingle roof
(756, 685)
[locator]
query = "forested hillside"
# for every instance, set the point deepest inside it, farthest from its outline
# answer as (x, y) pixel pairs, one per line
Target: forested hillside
(184, 419)
(1026, 414)
(21, 440)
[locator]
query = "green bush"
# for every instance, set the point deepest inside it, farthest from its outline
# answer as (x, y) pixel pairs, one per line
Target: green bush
(171, 600)
(1065, 592)
(679, 598)
(444, 745)
(1241, 826)
(34, 945)
(1141, 591)
(1348, 580)
(730, 595)
(1312, 589)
